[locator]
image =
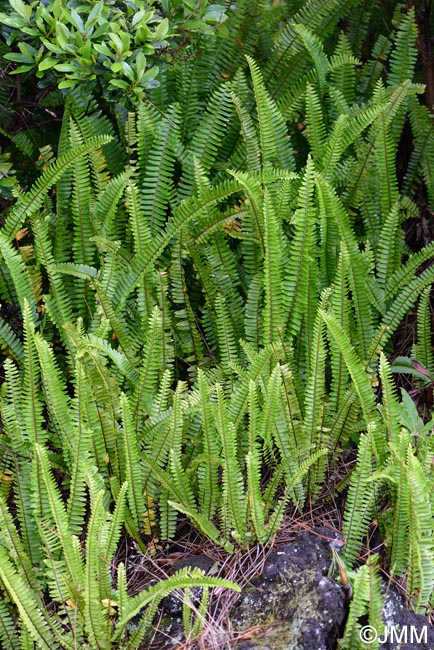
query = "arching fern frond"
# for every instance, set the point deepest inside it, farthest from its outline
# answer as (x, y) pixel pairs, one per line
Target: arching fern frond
(34, 198)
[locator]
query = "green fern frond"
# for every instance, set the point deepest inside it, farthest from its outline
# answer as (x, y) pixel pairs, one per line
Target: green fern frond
(208, 473)
(187, 211)
(274, 140)
(34, 198)
(315, 49)
(367, 604)
(157, 188)
(301, 271)
(420, 163)
(273, 303)
(389, 246)
(330, 204)
(253, 153)
(389, 408)
(403, 59)
(361, 380)
(70, 550)
(132, 466)
(104, 208)
(316, 133)
(30, 612)
(233, 494)
(421, 547)
(184, 579)
(20, 276)
(360, 500)
(424, 349)
(9, 340)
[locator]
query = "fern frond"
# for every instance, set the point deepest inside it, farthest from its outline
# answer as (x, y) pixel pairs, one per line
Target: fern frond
(330, 204)
(20, 276)
(104, 208)
(157, 188)
(208, 473)
(273, 303)
(402, 62)
(302, 256)
(30, 612)
(275, 144)
(184, 579)
(424, 348)
(186, 212)
(34, 198)
(360, 500)
(389, 245)
(366, 604)
(421, 547)
(253, 153)
(70, 550)
(233, 495)
(315, 49)
(9, 340)
(389, 408)
(359, 376)
(132, 465)
(316, 133)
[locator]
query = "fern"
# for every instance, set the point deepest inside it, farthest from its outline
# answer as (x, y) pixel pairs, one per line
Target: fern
(360, 501)
(33, 200)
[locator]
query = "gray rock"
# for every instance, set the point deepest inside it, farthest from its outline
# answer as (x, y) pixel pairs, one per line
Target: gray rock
(293, 605)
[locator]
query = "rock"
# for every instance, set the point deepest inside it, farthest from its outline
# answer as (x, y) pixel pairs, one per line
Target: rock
(293, 605)
(405, 630)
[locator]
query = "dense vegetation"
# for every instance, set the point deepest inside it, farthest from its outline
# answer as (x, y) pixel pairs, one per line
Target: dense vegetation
(204, 275)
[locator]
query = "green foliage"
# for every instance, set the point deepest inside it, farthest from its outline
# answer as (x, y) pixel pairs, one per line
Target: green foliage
(366, 604)
(101, 44)
(210, 285)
